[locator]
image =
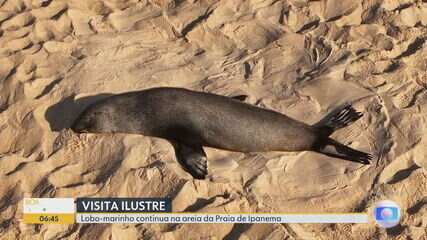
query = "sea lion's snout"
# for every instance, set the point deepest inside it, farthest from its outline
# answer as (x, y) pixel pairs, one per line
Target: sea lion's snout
(93, 120)
(83, 124)
(78, 127)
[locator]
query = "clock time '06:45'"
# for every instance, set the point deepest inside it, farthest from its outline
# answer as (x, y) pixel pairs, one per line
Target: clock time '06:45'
(44, 218)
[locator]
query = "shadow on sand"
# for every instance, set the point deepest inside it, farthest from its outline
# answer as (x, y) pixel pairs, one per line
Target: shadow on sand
(62, 114)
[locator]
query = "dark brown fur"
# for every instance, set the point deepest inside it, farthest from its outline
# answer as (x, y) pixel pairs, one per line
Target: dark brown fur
(193, 119)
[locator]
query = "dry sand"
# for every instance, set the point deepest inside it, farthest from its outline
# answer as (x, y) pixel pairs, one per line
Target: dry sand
(299, 57)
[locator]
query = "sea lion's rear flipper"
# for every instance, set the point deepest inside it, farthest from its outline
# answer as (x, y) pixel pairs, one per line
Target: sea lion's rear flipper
(337, 119)
(192, 159)
(333, 148)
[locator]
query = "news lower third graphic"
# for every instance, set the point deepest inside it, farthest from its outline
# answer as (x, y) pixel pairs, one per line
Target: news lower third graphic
(159, 210)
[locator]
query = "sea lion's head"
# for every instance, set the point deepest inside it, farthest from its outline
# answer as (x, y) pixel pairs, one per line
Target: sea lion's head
(98, 118)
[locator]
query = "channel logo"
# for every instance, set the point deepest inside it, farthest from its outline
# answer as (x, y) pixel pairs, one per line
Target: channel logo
(387, 214)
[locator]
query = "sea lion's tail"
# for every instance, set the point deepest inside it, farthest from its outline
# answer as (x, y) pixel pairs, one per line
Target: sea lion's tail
(333, 148)
(337, 119)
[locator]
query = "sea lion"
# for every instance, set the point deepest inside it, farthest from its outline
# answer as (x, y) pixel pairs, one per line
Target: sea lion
(191, 120)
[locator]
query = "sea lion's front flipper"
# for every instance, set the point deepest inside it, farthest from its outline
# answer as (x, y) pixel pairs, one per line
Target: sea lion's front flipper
(192, 159)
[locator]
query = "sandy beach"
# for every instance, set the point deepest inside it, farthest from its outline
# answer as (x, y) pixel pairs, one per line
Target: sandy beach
(298, 57)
